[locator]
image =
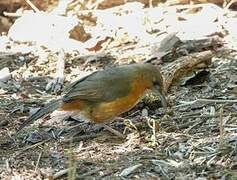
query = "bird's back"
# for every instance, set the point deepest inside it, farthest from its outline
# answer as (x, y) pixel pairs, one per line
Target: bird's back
(104, 85)
(106, 94)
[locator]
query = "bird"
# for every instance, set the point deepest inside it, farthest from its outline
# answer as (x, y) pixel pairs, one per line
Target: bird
(106, 94)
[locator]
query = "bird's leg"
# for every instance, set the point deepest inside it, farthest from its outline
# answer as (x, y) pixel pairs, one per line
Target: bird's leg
(115, 132)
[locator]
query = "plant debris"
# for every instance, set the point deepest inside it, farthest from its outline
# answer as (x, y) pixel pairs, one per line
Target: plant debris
(195, 138)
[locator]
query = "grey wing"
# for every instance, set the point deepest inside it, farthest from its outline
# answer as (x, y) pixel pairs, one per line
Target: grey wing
(99, 86)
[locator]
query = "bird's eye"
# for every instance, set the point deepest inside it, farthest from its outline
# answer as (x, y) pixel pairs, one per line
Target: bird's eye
(156, 83)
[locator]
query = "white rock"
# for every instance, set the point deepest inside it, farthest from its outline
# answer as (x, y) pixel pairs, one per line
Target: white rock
(5, 74)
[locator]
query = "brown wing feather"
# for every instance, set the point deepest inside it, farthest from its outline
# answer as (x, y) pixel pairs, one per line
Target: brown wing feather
(101, 86)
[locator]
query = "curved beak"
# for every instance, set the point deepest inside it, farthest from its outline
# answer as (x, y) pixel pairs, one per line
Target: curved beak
(163, 99)
(161, 94)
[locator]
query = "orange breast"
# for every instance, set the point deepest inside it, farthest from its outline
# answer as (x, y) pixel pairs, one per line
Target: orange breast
(106, 111)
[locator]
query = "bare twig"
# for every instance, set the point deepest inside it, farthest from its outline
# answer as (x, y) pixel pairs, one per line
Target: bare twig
(32, 6)
(10, 14)
(89, 173)
(186, 103)
(229, 4)
(38, 160)
(221, 140)
(32, 146)
(56, 84)
(65, 171)
(194, 125)
(120, 135)
(80, 138)
(72, 163)
(60, 173)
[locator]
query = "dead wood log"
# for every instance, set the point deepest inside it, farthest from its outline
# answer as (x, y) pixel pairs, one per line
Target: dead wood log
(185, 64)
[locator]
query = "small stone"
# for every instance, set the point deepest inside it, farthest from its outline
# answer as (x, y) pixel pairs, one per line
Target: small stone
(144, 113)
(5, 74)
(129, 170)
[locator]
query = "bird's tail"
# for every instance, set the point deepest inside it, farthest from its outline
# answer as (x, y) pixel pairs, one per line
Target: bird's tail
(48, 108)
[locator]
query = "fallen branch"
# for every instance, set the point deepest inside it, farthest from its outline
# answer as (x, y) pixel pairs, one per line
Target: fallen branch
(183, 65)
(187, 103)
(32, 5)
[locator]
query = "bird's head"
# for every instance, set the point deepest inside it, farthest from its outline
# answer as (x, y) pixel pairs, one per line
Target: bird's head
(155, 79)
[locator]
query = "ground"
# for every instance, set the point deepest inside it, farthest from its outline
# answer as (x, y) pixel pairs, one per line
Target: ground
(184, 141)
(194, 138)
